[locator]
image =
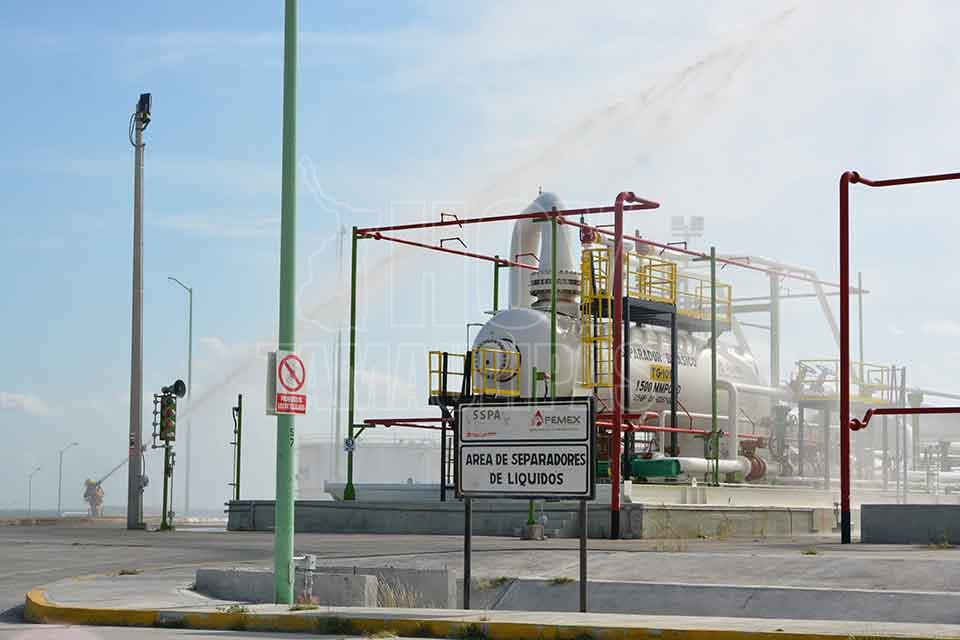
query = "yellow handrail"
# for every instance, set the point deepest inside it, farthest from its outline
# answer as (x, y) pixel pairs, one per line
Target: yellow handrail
(496, 372)
(435, 367)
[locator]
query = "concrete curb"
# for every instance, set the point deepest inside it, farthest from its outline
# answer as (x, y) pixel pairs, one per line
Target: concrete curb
(436, 624)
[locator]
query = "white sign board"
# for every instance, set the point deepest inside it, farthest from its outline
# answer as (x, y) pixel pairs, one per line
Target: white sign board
(526, 449)
(286, 384)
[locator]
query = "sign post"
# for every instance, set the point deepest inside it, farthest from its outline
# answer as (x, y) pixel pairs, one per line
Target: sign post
(526, 450)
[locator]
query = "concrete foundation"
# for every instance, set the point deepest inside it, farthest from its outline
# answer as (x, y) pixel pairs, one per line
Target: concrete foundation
(257, 586)
(937, 524)
(398, 587)
(508, 517)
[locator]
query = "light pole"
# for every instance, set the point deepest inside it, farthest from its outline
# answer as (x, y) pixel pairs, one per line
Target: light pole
(60, 479)
(30, 492)
(186, 483)
(138, 123)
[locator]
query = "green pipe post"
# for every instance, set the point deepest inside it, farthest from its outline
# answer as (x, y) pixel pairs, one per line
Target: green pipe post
(553, 306)
(496, 285)
(531, 520)
(164, 521)
(714, 433)
(286, 435)
(349, 492)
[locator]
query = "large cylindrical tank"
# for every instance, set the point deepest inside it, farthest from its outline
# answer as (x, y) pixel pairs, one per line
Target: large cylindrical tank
(527, 333)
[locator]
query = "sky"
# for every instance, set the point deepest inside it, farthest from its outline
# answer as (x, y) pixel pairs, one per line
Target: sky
(743, 112)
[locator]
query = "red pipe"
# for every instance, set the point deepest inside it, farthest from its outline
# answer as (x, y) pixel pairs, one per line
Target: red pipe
(846, 424)
(856, 425)
(401, 420)
(845, 180)
(617, 391)
(696, 254)
(501, 261)
(641, 204)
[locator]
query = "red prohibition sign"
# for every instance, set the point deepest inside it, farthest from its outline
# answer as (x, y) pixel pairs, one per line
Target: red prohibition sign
(292, 373)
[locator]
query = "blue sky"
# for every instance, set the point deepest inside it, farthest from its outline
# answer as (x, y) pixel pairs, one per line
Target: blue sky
(743, 112)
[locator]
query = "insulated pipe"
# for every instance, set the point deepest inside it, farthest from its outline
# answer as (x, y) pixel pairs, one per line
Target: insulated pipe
(691, 466)
(733, 412)
(618, 385)
(564, 246)
(524, 245)
(531, 239)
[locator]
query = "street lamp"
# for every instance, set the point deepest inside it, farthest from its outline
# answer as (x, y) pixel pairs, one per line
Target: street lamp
(30, 492)
(60, 479)
(186, 491)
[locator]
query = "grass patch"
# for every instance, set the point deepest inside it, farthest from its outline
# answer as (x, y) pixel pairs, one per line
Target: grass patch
(129, 572)
(485, 584)
(383, 633)
(339, 627)
(471, 631)
(234, 608)
(561, 580)
(399, 595)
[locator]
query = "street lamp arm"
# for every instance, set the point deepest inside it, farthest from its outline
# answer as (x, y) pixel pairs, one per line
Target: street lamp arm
(189, 289)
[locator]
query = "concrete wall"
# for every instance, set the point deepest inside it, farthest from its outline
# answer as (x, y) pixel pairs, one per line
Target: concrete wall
(257, 586)
(430, 588)
(506, 517)
(910, 524)
(734, 601)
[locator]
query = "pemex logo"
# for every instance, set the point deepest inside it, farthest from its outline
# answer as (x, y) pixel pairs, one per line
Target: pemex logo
(537, 420)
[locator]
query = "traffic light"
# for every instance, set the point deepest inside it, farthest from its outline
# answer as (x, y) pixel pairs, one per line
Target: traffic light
(168, 417)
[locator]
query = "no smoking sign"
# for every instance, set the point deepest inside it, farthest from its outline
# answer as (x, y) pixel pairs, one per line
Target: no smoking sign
(289, 377)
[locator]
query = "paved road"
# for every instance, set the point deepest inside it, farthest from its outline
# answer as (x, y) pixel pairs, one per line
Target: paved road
(37, 555)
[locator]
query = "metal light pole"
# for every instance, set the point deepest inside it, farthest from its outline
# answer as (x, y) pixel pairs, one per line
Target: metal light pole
(286, 435)
(186, 481)
(30, 492)
(138, 123)
(60, 479)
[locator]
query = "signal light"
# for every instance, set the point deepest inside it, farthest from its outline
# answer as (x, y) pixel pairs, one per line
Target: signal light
(168, 418)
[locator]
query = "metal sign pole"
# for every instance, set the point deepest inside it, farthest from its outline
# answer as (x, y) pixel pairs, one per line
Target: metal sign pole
(467, 533)
(583, 556)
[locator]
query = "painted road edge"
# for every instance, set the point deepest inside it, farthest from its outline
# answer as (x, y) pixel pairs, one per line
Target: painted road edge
(39, 609)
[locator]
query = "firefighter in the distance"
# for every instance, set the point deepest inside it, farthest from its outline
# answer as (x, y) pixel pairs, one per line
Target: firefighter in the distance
(93, 495)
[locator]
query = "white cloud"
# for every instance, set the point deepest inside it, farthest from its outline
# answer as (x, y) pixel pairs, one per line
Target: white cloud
(25, 402)
(942, 328)
(252, 226)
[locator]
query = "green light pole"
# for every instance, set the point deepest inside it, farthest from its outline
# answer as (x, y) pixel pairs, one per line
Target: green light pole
(283, 531)
(349, 491)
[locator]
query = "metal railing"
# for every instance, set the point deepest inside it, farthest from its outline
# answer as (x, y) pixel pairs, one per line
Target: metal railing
(693, 298)
(440, 373)
(496, 372)
(819, 379)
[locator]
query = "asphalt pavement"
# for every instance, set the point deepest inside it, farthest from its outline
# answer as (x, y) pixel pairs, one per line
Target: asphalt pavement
(32, 556)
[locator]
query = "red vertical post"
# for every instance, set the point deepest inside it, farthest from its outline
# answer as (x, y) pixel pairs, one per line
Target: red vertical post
(845, 180)
(617, 391)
